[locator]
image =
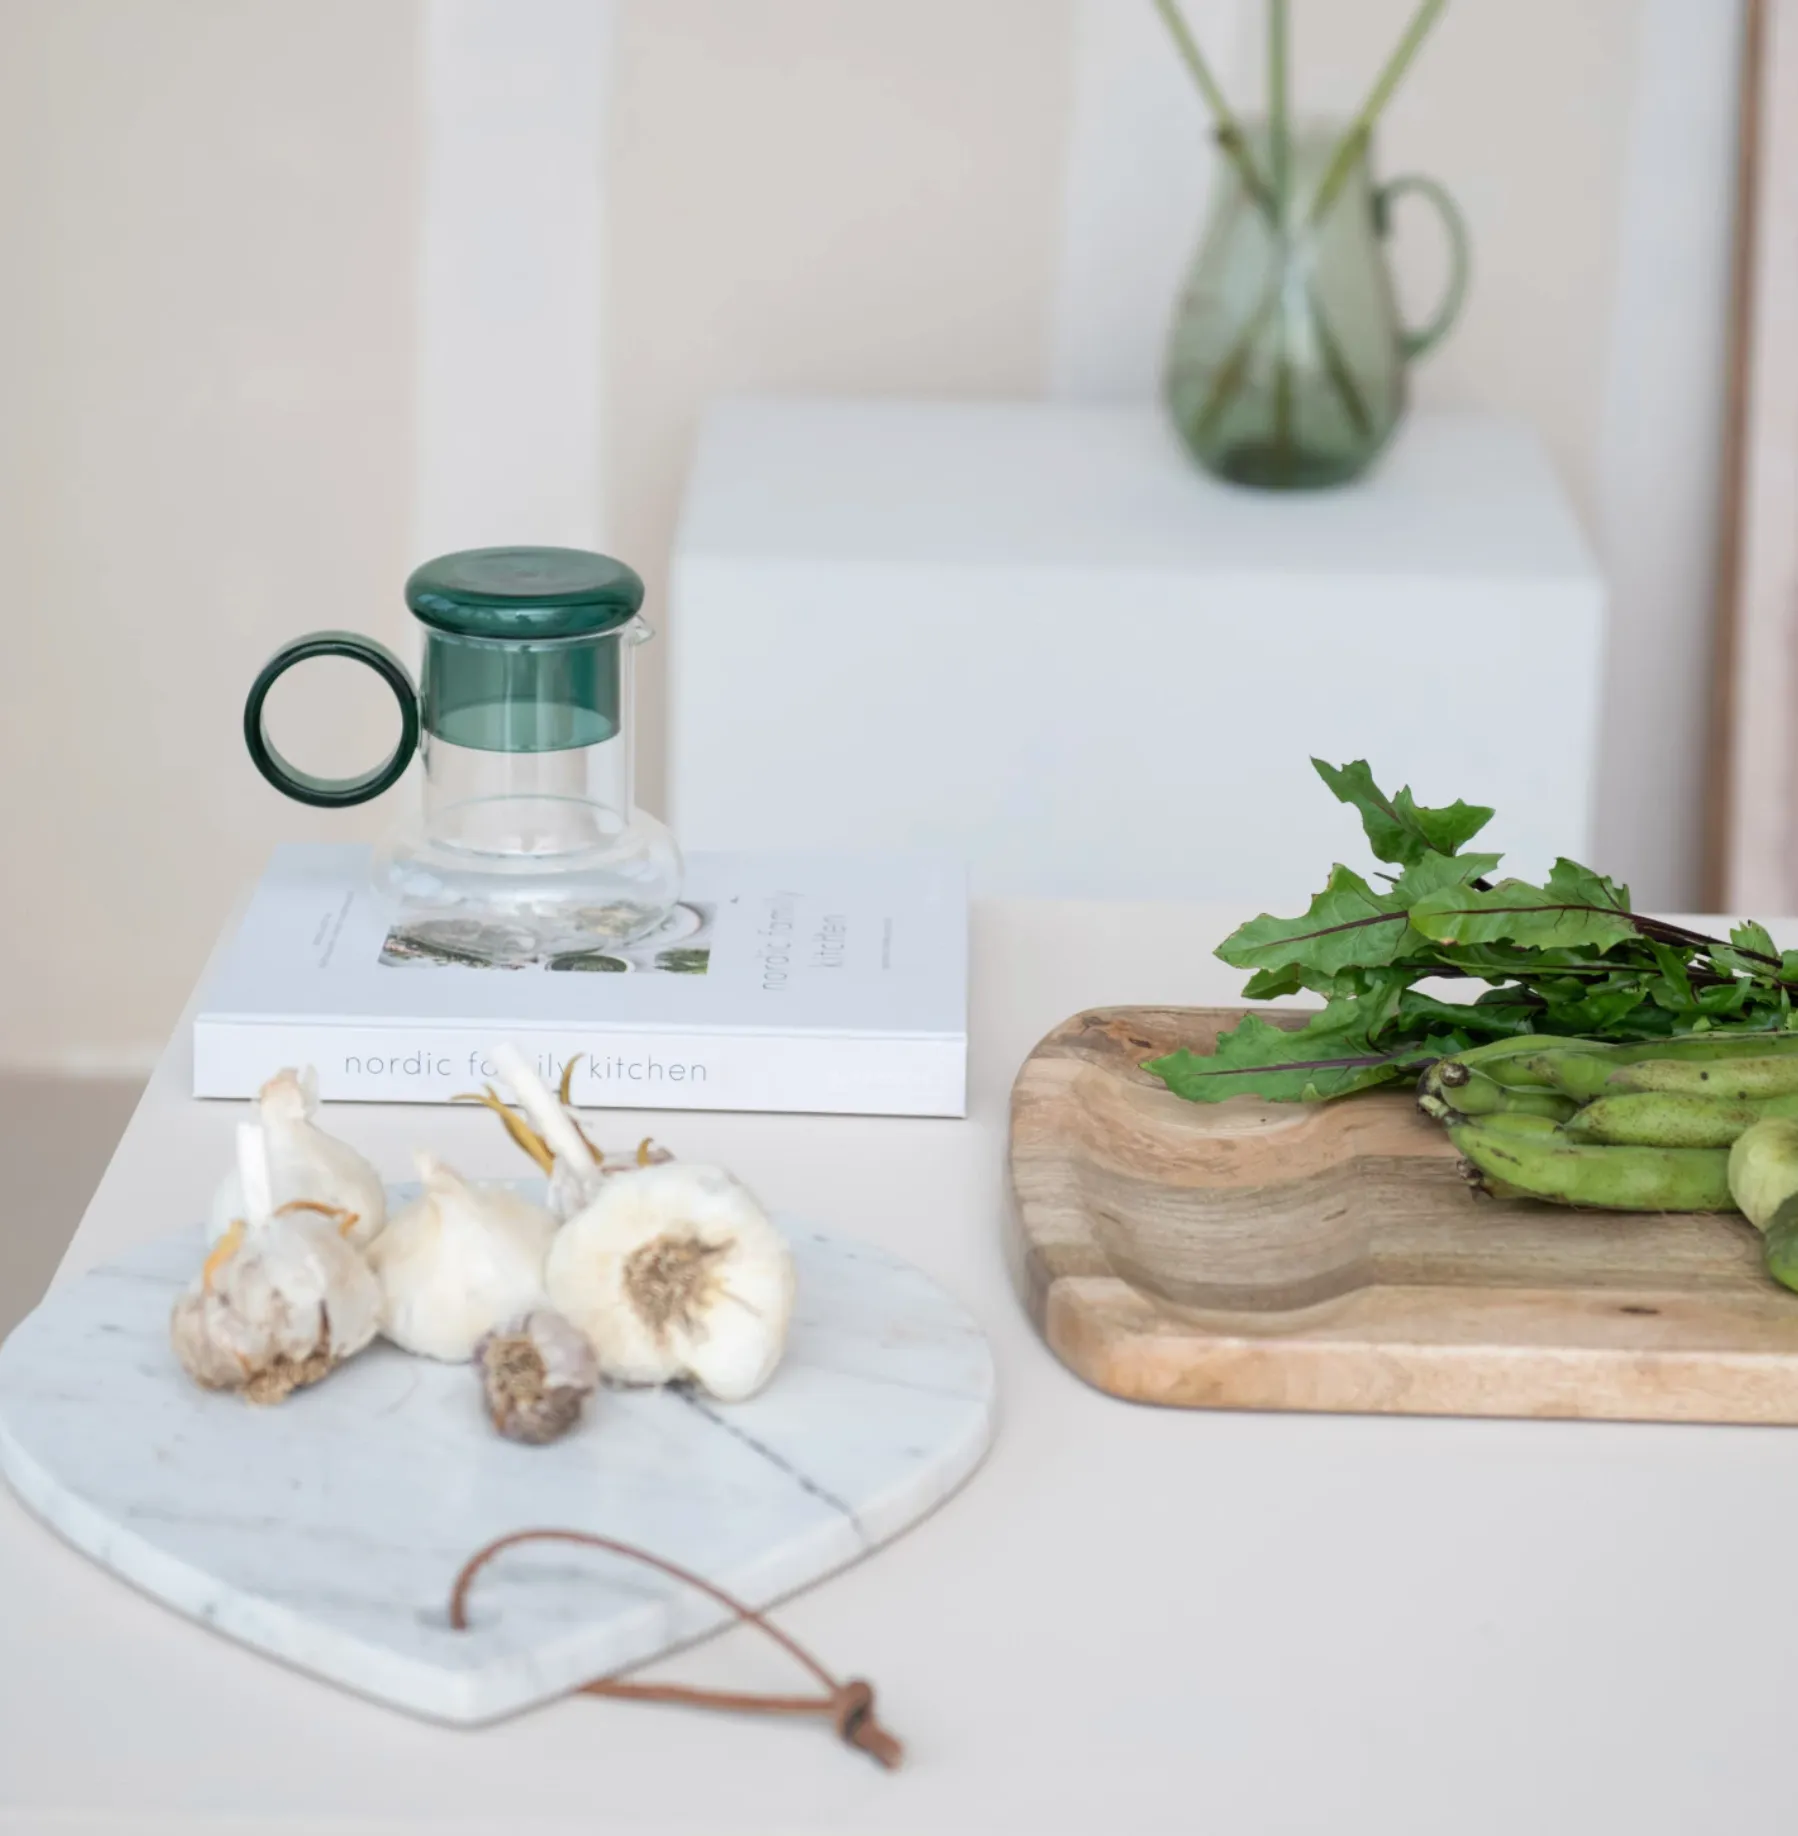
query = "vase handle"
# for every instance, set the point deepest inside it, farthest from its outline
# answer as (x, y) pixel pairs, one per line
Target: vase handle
(1413, 343)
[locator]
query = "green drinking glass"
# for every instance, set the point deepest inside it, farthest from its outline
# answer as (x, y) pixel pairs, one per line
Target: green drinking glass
(1286, 365)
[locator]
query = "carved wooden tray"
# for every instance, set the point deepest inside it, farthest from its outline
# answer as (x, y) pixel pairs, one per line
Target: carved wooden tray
(1252, 1255)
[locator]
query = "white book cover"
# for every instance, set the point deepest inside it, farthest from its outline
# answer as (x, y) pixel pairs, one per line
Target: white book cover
(829, 983)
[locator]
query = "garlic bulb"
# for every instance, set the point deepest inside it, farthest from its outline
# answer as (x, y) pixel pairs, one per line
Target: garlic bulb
(536, 1375)
(283, 1298)
(305, 1163)
(675, 1271)
(457, 1261)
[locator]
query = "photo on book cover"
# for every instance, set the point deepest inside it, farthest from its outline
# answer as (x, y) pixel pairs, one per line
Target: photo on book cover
(680, 945)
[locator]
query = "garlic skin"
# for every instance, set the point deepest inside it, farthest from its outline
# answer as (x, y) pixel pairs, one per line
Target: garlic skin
(305, 1163)
(457, 1262)
(536, 1375)
(674, 1271)
(282, 1301)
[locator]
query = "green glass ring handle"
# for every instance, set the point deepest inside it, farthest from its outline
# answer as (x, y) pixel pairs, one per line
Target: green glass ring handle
(302, 786)
(1414, 343)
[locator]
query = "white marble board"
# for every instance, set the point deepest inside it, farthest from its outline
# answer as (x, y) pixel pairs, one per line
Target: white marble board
(326, 1531)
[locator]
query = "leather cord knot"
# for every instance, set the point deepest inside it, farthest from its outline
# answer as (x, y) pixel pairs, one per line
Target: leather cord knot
(857, 1726)
(850, 1705)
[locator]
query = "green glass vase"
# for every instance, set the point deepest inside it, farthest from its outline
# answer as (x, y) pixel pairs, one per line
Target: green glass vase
(1286, 365)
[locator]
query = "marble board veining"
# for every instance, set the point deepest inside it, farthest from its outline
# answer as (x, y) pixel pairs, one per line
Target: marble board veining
(326, 1531)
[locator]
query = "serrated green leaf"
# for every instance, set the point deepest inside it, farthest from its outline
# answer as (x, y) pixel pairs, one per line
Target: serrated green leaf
(1599, 1010)
(1399, 829)
(1565, 959)
(1576, 885)
(1730, 1000)
(1672, 988)
(1754, 938)
(1256, 1058)
(1270, 984)
(1497, 962)
(1347, 926)
(1446, 829)
(1436, 873)
(1377, 994)
(1515, 912)
(1512, 994)
(1199, 1080)
(1489, 1020)
(1727, 960)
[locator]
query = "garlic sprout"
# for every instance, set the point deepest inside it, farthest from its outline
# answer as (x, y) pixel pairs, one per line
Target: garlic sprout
(283, 1298)
(674, 1271)
(576, 1170)
(305, 1164)
(458, 1261)
(550, 1135)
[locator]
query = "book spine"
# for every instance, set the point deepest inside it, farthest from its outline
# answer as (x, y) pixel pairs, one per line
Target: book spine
(841, 1074)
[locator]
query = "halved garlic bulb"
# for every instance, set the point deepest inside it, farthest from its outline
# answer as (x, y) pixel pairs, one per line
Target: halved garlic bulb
(283, 1298)
(458, 1261)
(305, 1163)
(675, 1272)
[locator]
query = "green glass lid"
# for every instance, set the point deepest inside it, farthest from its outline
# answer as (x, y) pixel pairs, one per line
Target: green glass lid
(524, 593)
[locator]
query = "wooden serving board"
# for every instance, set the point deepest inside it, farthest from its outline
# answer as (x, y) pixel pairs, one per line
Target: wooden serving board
(1254, 1255)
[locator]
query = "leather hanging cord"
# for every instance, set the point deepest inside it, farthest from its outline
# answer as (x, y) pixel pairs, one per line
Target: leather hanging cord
(848, 1706)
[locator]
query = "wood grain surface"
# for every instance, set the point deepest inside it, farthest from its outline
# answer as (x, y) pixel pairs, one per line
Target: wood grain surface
(1256, 1255)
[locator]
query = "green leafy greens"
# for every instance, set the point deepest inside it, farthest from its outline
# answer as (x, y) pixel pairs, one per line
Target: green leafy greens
(1567, 959)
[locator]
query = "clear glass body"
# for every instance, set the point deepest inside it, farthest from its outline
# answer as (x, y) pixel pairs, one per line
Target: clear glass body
(522, 846)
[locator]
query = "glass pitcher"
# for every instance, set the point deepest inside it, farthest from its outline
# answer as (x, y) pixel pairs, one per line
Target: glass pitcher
(527, 840)
(1286, 365)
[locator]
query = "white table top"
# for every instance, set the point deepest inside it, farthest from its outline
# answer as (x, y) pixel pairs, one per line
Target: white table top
(1130, 1621)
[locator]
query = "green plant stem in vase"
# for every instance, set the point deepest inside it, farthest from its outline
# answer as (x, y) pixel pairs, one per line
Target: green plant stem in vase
(1279, 153)
(1286, 366)
(1354, 143)
(1228, 131)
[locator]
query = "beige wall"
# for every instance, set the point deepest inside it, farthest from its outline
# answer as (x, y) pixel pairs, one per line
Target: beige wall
(209, 209)
(205, 360)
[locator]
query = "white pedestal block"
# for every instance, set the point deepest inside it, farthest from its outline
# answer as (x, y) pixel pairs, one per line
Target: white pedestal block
(1036, 635)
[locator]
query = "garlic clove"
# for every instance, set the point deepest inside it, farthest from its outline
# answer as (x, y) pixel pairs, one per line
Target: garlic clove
(537, 1372)
(306, 1164)
(281, 1302)
(674, 1271)
(457, 1261)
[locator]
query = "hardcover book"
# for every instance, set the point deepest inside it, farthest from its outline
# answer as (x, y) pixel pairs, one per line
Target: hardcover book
(828, 983)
